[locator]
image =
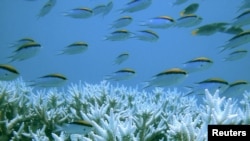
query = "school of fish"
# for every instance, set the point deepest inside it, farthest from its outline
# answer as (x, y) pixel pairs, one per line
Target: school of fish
(27, 47)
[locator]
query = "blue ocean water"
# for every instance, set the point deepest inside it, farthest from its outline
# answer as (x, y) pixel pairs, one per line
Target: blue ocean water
(175, 46)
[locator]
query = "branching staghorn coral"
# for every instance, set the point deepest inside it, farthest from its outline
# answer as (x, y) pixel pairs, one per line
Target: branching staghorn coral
(220, 110)
(245, 110)
(117, 113)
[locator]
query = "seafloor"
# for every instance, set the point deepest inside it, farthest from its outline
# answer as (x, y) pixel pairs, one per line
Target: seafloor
(117, 113)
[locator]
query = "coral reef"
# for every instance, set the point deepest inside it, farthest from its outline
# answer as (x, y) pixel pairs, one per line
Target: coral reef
(117, 113)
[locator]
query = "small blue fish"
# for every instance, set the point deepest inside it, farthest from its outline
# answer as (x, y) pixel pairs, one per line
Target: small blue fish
(244, 5)
(179, 2)
(212, 84)
(136, 5)
(109, 7)
(236, 89)
(167, 78)
(236, 55)
(77, 127)
(119, 35)
(47, 8)
(209, 29)
(22, 41)
(121, 58)
(25, 51)
(190, 9)
(123, 74)
(103, 9)
(79, 13)
(197, 64)
(8, 72)
(50, 80)
(99, 9)
(147, 35)
(237, 40)
(188, 21)
(122, 22)
(75, 48)
(242, 20)
(231, 30)
(159, 22)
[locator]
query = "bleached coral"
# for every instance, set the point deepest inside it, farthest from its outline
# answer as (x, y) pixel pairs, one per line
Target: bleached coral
(117, 113)
(220, 110)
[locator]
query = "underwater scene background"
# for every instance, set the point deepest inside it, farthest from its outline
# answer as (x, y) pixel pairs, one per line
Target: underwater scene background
(82, 63)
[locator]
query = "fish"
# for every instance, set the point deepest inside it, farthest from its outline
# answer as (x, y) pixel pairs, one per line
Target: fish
(8, 72)
(49, 80)
(179, 2)
(109, 7)
(122, 22)
(231, 30)
(197, 64)
(236, 55)
(159, 22)
(25, 51)
(99, 9)
(46, 8)
(147, 35)
(122, 74)
(119, 35)
(209, 29)
(121, 58)
(236, 41)
(244, 5)
(166, 78)
(75, 48)
(22, 41)
(136, 5)
(79, 13)
(236, 89)
(103, 9)
(242, 20)
(76, 127)
(188, 21)
(190, 9)
(212, 84)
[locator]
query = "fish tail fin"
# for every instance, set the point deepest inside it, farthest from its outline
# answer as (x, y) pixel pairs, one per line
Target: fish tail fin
(31, 83)
(120, 11)
(108, 77)
(59, 53)
(65, 14)
(222, 48)
(57, 128)
(224, 59)
(11, 59)
(188, 93)
(105, 38)
(142, 23)
(189, 90)
(110, 26)
(145, 85)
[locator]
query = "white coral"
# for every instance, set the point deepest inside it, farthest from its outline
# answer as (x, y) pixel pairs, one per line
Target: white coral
(117, 113)
(220, 110)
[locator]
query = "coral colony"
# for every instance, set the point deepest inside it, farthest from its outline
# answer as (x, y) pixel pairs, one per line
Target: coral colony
(104, 112)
